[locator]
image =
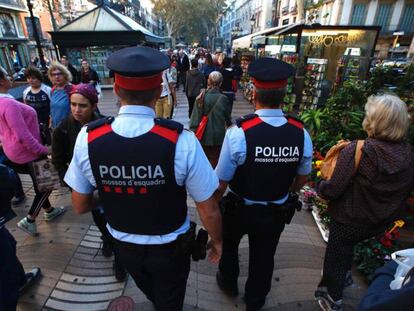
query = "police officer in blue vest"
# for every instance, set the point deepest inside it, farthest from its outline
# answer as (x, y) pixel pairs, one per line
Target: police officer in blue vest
(142, 168)
(264, 157)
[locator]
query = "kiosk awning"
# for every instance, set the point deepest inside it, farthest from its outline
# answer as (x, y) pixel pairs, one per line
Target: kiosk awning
(100, 22)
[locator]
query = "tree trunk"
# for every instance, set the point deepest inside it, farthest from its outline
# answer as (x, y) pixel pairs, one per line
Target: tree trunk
(300, 7)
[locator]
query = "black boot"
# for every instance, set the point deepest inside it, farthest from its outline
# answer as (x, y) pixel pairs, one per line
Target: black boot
(230, 290)
(107, 248)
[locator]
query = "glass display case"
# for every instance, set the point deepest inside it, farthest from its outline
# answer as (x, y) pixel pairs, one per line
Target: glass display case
(324, 57)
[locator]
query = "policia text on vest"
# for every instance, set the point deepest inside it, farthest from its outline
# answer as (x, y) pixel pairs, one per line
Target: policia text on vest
(277, 154)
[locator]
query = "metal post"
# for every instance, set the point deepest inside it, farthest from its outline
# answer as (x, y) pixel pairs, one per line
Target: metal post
(36, 36)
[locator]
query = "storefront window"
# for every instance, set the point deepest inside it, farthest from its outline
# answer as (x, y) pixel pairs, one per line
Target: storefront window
(338, 47)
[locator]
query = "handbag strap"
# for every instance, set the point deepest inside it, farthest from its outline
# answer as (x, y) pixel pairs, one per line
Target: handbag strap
(212, 108)
(358, 154)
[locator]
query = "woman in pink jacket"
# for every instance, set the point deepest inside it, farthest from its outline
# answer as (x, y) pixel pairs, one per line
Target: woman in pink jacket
(20, 138)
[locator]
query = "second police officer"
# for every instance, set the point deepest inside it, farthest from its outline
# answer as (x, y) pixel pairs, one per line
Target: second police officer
(263, 158)
(142, 167)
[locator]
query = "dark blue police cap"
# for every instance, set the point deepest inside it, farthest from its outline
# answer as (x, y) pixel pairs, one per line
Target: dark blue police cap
(138, 68)
(270, 73)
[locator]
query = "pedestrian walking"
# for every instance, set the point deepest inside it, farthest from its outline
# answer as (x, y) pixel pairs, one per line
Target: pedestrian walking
(213, 104)
(194, 83)
(37, 95)
(60, 93)
(183, 66)
(84, 100)
(365, 200)
(275, 152)
(208, 66)
(167, 98)
(141, 167)
(20, 137)
(13, 279)
(228, 79)
(75, 74)
(87, 74)
(172, 71)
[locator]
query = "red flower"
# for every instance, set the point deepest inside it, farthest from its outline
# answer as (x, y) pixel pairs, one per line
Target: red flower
(317, 155)
(386, 242)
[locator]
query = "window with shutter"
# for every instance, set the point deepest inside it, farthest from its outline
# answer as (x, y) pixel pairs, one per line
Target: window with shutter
(407, 20)
(383, 16)
(358, 15)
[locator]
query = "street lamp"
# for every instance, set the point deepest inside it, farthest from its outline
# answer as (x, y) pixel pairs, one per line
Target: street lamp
(36, 36)
(252, 22)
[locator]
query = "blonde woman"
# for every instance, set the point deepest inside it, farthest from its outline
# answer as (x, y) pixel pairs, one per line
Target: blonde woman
(364, 203)
(60, 94)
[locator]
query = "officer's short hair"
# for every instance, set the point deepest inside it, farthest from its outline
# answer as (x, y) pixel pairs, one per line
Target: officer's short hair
(270, 97)
(138, 97)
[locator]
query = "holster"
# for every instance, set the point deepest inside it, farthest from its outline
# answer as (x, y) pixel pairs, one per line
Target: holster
(231, 204)
(287, 209)
(191, 244)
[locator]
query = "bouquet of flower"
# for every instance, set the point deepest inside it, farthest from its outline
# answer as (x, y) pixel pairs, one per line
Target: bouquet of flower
(375, 252)
(307, 196)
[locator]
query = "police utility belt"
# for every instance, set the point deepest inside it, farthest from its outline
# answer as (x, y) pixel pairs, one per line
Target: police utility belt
(232, 203)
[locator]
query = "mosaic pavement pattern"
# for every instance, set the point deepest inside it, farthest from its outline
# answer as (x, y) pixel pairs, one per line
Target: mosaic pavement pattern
(77, 277)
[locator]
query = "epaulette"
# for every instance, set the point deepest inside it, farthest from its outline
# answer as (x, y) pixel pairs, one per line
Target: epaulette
(170, 124)
(98, 123)
(241, 120)
(295, 121)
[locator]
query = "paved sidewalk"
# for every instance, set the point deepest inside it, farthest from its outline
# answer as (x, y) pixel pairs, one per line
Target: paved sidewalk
(77, 277)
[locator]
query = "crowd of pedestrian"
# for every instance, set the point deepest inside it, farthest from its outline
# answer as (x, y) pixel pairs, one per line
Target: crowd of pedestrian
(133, 172)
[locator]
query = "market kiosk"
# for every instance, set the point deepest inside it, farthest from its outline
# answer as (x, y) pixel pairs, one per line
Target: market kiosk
(324, 57)
(97, 34)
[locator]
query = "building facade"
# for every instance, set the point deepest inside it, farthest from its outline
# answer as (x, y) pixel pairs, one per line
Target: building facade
(13, 41)
(243, 17)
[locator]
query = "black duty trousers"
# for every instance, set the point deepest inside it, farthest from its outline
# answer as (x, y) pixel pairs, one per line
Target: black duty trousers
(338, 255)
(263, 225)
(12, 275)
(158, 270)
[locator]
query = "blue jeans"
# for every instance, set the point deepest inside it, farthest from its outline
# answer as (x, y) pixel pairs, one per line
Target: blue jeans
(12, 275)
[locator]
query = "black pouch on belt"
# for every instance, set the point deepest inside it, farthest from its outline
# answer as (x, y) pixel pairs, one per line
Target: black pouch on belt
(231, 204)
(287, 209)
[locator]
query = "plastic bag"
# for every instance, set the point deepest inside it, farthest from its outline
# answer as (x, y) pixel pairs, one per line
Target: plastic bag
(405, 261)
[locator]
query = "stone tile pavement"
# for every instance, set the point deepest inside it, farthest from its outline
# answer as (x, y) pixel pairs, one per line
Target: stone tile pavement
(77, 277)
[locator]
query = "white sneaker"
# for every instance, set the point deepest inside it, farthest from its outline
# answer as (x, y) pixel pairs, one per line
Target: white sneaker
(57, 211)
(28, 227)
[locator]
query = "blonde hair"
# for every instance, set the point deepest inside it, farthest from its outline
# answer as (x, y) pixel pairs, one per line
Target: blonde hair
(386, 117)
(57, 66)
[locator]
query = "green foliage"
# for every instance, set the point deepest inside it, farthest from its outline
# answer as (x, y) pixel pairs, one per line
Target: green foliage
(340, 119)
(189, 18)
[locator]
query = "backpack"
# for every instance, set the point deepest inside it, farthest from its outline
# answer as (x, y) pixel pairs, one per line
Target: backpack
(329, 163)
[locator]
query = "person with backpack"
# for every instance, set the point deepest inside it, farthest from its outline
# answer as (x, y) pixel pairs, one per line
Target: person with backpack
(365, 200)
(13, 279)
(60, 94)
